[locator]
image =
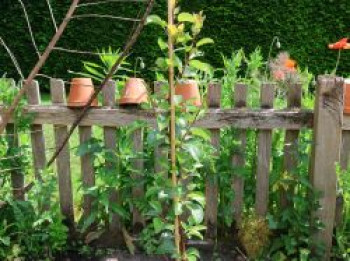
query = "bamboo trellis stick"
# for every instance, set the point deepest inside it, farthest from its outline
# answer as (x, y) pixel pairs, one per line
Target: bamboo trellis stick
(171, 7)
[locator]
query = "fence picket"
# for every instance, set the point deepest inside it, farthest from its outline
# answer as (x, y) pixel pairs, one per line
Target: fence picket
(87, 170)
(17, 177)
(345, 150)
(160, 155)
(291, 139)
(58, 97)
(238, 159)
(110, 140)
(211, 184)
(264, 154)
(37, 134)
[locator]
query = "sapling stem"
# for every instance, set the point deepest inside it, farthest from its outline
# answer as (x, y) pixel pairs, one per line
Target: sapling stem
(337, 64)
(277, 40)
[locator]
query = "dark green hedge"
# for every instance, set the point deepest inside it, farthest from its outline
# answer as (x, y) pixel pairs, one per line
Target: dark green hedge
(304, 27)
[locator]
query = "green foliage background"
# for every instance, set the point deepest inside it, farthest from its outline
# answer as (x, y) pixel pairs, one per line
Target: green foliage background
(304, 27)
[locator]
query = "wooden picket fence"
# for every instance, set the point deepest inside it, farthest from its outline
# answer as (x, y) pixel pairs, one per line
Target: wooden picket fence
(326, 120)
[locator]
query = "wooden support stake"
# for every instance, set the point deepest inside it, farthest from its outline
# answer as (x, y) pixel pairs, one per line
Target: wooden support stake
(264, 154)
(238, 159)
(328, 118)
(291, 139)
(58, 97)
(37, 132)
(211, 184)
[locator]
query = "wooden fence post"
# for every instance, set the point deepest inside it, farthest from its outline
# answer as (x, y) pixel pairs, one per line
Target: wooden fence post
(110, 139)
(211, 185)
(37, 134)
(238, 159)
(291, 139)
(328, 117)
(264, 154)
(58, 97)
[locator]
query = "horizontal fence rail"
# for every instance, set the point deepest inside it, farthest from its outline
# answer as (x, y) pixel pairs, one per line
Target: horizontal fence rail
(213, 119)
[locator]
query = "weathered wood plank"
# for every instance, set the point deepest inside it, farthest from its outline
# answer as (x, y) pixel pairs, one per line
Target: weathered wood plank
(138, 190)
(211, 184)
(58, 96)
(264, 154)
(214, 118)
(326, 152)
(110, 140)
(291, 139)
(238, 159)
(37, 134)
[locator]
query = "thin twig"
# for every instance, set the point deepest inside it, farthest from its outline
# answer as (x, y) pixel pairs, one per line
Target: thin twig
(110, 1)
(13, 58)
(38, 66)
(109, 76)
(29, 28)
(52, 15)
(105, 16)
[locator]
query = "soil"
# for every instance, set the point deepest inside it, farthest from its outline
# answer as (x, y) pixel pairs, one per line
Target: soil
(223, 253)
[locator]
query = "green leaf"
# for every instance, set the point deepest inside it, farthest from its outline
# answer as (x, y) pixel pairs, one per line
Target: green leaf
(204, 41)
(205, 67)
(198, 197)
(185, 17)
(197, 213)
(158, 225)
(202, 133)
(155, 19)
(5, 241)
(162, 44)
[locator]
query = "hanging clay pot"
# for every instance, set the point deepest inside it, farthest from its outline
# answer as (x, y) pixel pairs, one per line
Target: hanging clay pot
(134, 93)
(347, 96)
(189, 90)
(80, 92)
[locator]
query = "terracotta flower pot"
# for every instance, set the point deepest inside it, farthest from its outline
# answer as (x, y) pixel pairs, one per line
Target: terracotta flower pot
(347, 96)
(189, 90)
(135, 92)
(80, 92)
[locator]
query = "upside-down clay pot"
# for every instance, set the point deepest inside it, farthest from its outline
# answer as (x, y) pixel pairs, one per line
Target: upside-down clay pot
(189, 90)
(347, 96)
(135, 92)
(80, 92)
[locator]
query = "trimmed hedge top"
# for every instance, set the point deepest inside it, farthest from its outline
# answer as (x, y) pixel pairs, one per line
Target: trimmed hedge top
(304, 27)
